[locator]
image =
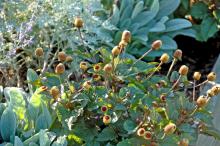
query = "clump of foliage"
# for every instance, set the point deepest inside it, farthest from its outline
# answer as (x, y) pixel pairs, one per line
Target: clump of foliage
(147, 21)
(204, 15)
(109, 99)
(27, 24)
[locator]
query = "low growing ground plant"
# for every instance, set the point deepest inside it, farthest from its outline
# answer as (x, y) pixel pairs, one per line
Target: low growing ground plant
(107, 99)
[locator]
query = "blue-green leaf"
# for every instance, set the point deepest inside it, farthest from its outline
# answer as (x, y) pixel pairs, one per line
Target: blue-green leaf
(8, 124)
(167, 7)
(177, 24)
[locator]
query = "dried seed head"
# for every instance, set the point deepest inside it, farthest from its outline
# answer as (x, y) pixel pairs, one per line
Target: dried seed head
(108, 68)
(55, 92)
(69, 59)
(60, 68)
(39, 52)
(97, 67)
(147, 135)
(96, 77)
(183, 70)
(140, 132)
(156, 45)
(211, 76)
(164, 58)
(78, 22)
(104, 108)
(126, 36)
(170, 128)
(178, 54)
(62, 56)
(116, 51)
(83, 65)
(201, 101)
(196, 76)
(87, 85)
(106, 119)
(163, 97)
(183, 142)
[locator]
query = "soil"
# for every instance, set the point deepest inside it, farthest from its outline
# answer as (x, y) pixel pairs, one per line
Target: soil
(199, 56)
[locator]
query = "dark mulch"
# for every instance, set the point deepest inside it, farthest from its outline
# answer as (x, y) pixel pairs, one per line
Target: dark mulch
(199, 56)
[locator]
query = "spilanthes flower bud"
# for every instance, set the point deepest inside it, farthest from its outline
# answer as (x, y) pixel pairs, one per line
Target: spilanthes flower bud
(147, 135)
(164, 58)
(39, 52)
(62, 56)
(104, 108)
(183, 142)
(126, 36)
(201, 101)
(178, 54)
(78, 22)
(43, 88)
(97, 67)
(108, 68)
(140, 132)
(196, 76)
(87, 85)
(83, 65)
(183, 70)
(215, 90)
(156, 45)
(96, 77)
(106, 119)
(69, 59)
(210, 93)
(211, 76)
(170, 128)
(60, 68)
(163, 97)
(55, 92)
(116, 51)
(122, 45)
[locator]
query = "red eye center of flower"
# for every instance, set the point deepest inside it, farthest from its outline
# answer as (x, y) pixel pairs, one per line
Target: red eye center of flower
(95, 76)
(142, 131)
(96, 67)
(104, 108)
(148, 135)
(107, 117)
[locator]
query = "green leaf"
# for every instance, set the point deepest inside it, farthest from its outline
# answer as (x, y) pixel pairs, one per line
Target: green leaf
(16, 101)
(1, 92)
(167, 7)
(199, 10)
(61, 141)
(107, 134)
(44, 139)
(18, 141)
(115, 16)
(34, 105)
(130, 126)
(32, 77)
(177, 24)
(208, 27)
(33, 139)
(40, 122)
(137, 9)
(8, 124)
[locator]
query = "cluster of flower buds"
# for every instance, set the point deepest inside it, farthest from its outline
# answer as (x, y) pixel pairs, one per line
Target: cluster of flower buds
(125, 39)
